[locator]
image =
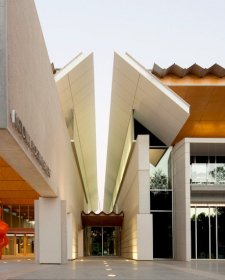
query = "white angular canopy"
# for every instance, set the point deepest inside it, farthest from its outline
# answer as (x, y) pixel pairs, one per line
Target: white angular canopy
(155, 106)
(75, 84)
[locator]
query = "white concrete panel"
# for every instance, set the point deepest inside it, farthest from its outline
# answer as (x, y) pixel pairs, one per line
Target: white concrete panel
(50, 234)
(3, 104)
(182, 230)
(69, 221)
(129, 72)
(137, 227)
(145, 237)
(155, 106)
(80, 76)
(80, 243)
(63, 232)
(144, 192)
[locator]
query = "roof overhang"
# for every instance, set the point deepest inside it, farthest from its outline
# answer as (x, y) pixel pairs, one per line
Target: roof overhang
(102, 219)
(157, 107)
(75, 84)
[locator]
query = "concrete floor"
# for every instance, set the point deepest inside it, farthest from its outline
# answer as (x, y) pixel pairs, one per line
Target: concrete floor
(106, 268)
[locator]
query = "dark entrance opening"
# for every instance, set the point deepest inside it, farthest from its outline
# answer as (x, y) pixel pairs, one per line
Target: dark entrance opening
(102, 233)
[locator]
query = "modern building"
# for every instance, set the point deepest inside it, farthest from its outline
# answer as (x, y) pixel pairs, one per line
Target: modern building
(165, 172)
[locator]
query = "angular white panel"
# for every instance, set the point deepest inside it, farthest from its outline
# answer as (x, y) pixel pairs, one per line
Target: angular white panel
(78, 75)
(155, 106)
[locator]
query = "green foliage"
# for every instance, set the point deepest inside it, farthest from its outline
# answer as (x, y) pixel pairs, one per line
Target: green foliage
(218, 173)
(159, 180)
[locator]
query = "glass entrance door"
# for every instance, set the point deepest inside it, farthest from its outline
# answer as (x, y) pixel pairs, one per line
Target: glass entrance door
(19, 244)
(102, 241)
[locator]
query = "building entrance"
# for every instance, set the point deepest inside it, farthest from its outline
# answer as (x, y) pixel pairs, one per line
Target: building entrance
(102, 241)
(19, 244)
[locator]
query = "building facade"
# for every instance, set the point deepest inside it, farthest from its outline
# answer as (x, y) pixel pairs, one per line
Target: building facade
(165, 172)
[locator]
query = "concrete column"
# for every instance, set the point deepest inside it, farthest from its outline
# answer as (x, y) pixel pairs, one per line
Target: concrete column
(80, 243)
(71, 250)
(3, 98)
(144, 218)
(50, 230)
(181, 192)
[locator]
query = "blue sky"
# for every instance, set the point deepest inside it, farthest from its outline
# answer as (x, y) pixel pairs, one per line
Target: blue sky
(161, 31)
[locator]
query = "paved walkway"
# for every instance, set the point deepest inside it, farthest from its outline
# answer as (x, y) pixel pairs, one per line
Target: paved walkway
(99, 268)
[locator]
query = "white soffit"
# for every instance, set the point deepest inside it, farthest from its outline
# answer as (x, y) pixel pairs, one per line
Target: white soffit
(155, 106)
(75, 84)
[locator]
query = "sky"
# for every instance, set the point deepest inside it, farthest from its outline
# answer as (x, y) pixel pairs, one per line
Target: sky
(151, 31)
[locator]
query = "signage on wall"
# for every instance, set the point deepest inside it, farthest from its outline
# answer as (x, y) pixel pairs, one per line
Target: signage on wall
(17, 123)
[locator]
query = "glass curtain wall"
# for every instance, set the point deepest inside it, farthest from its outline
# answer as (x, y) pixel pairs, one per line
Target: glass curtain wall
(19, 217)
(102, 241)
(207, 232)
(161, 207)
(207, 170)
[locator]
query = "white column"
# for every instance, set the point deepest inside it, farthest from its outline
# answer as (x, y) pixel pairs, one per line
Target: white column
(3, 98)
(71, 250)
(50, 230)
(80, 243)
(181, 190)
(144, 218)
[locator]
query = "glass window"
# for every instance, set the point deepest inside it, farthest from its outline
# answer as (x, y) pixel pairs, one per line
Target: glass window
(193, 229)
(162, 235)
(18, 216)
(198, 173)
(202, 215)
(208, 232)
(202, 159)
(160, 174)
(161, 200)
(220, 159)
(221, 232)
(102, 241)
(212, 215)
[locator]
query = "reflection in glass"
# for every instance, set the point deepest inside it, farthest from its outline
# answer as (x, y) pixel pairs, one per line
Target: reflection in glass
(102, 241)
(161, 200)
(19, 244)
(30, 244)
(212, 212)
(198, 173)
(193, 229)
(110, 241)
(162, 235)
(94, 238)
(208, 173)
(9, 249)
(18, 216)
(208, 232)
(221, 232)
(202, 216)
(160, 174)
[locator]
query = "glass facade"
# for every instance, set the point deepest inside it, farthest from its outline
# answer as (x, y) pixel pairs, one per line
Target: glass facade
(18, 216)
(102, 241)
(20, 219)
(207, 232)
(207, 170)
(161, 207)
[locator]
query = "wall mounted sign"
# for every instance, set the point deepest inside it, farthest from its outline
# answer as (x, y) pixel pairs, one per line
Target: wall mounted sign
(17, 123)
